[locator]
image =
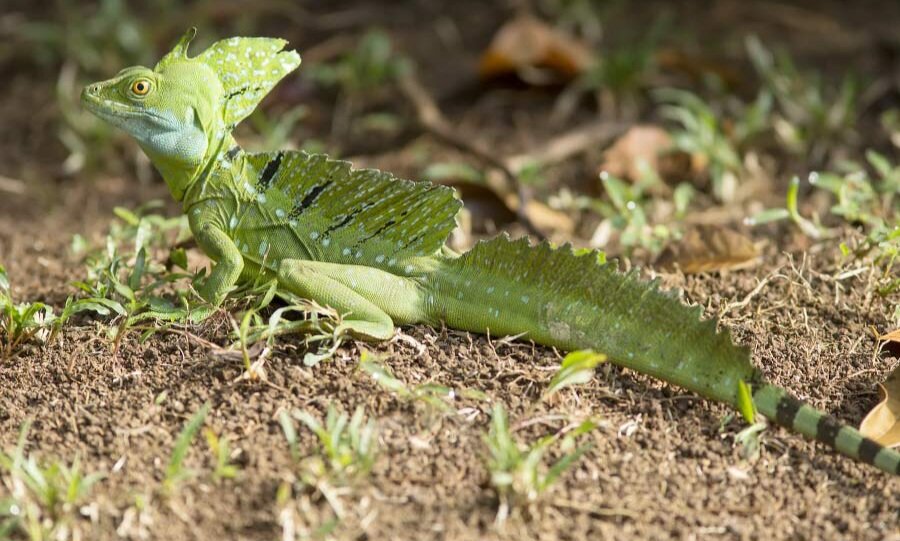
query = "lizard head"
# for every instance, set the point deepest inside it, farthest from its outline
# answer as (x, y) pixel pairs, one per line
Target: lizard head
(181, 110)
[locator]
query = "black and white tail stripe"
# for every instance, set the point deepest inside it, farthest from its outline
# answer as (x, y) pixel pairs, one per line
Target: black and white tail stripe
(796, 415)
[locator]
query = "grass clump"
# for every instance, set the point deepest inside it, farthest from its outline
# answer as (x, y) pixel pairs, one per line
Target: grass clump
(865, 199)
(133, 275)
(21, 323)
(517, 471)
(44, 499)
(348, 445)
(434, 396)
(346, 453)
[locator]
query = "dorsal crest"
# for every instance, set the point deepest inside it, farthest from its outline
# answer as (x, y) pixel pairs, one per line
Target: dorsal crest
(247, 68)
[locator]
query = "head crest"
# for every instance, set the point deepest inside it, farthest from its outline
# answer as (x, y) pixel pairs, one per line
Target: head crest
(247, 68)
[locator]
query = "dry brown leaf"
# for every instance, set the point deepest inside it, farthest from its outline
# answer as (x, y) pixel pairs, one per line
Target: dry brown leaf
(639, 147)
(882, 424)
(707, 249)
(527, 43)
(892, 336)
(647, 147)
(491, 207)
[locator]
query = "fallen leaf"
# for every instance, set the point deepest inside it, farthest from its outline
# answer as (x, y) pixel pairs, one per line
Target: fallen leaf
(707, 248)
(882, 424)
(647, 149)
(638, 148)
(527, 43)
(891, 341)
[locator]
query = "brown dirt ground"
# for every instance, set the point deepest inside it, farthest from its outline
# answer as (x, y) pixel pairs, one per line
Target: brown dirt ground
(677, 476)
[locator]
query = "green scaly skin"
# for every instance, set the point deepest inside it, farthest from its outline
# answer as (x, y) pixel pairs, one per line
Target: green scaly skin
(372, 246)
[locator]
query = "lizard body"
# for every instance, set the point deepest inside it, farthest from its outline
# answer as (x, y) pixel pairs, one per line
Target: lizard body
(372, 246)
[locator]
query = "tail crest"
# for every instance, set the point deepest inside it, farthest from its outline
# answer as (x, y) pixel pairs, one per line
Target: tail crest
(576, 300)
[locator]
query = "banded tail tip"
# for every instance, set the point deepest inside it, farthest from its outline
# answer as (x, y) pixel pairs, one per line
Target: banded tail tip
(785, 410)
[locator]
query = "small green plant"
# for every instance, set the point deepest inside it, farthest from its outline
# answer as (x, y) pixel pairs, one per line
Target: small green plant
(518, 473)
(620, 75)
(23, 322)
(577, 368)
(810, 119)
(702, 133)
(348, 446)
(321, 327)
(434, 396)
(860, 200)
(789, 211)
(220, 448)
(130, 275)
(176, 473)
(373, 64)
(43, 499)
(627, 213)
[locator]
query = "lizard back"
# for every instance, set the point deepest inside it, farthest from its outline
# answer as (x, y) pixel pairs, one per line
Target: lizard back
(293, 204)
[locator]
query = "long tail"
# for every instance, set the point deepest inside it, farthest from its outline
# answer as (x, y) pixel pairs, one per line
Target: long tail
(777, 405)
(571, 300)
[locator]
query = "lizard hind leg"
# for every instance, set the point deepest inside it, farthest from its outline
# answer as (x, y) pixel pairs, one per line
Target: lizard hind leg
(331, 285)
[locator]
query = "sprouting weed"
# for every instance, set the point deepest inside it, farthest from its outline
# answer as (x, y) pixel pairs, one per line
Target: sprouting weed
(518, 473)
(701, 132)
(320, 326)
(176, 473)
(44, 499)
(129, 274)
(619, 76)
(21, 323)
(860, 199)
(577, 368)
(347, 450)
(348, 446)
(809, 118)
(220, 448)
(435, 397)
(627, 212)
(360, 76)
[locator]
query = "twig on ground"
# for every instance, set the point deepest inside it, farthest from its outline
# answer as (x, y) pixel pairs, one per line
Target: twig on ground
(11, 185)
(433, 120)
(566, 145)
(756, 290)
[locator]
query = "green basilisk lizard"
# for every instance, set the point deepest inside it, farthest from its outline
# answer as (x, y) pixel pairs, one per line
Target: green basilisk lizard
(371, 246)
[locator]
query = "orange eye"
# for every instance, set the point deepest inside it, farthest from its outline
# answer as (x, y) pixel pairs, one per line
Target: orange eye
(140, 87)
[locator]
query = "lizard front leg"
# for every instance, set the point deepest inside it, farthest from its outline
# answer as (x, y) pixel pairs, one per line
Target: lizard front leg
(229, 262)
(340, 287)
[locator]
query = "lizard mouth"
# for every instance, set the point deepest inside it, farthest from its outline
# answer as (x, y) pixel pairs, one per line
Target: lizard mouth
(111, 110)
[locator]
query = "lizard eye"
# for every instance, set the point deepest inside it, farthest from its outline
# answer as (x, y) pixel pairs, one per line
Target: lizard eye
(141, 87)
